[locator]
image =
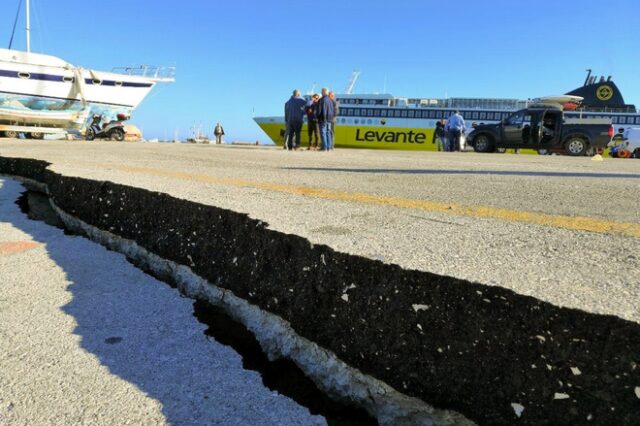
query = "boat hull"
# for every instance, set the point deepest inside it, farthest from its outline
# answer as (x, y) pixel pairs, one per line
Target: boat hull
(71, 119)
(44, 90)
(23, 110)
(50, 83)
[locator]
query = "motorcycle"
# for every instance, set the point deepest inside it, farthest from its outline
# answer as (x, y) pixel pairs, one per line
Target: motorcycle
(113, 130)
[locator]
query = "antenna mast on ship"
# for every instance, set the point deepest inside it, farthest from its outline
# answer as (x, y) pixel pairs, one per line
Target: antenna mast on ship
(352, 82)
(28, 28)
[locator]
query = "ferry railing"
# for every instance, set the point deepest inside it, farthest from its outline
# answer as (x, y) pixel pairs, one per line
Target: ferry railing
(158, 73)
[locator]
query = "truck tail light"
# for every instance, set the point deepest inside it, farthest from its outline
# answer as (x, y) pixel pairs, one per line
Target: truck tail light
(610, 131)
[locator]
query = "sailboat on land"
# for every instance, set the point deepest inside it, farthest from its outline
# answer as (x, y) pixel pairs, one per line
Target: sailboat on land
(46, 91)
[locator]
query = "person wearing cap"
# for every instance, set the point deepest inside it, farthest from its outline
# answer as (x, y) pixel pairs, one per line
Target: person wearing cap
(454, 128)
(293, 118)
(312, 122)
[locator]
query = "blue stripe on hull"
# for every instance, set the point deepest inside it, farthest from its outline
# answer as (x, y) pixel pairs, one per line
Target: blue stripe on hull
(59, 78)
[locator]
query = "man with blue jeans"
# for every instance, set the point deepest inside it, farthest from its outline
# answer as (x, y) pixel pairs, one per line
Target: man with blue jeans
(326, 114)
(293, 118)
(454, 129)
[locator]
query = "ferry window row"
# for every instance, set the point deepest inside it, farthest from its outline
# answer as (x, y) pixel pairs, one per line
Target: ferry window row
(359, 121)
(624, 120)
(413, 113)
(363, 101)
(468, 115)
(615, 119)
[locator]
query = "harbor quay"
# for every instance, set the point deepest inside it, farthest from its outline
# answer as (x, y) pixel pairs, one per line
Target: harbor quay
(425, 287)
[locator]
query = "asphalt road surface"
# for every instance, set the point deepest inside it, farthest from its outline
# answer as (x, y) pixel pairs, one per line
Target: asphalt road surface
(86, 338)
(561, 229)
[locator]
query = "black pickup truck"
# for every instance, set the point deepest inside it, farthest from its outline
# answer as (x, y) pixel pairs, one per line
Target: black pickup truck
(544, 128)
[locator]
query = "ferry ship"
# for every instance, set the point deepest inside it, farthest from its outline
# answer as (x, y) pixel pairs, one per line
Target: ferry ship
(382, 121)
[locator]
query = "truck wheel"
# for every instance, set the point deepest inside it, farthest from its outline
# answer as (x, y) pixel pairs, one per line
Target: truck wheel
(90, 135)
(11, 134)
(117, 134)
(576, 146)
(36, 135)
(483, 143)
(636, 153)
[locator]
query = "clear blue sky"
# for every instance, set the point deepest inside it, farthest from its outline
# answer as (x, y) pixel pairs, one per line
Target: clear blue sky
(238, 58)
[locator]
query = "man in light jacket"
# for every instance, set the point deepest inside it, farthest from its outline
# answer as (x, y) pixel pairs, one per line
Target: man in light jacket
(454, 128)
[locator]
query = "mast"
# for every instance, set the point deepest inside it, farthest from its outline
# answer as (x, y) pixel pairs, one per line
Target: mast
(352, 82)
(586, 80)
(28, 29)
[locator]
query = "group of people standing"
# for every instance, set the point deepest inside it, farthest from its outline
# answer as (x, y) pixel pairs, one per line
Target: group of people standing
(448, 135)
(321, 112)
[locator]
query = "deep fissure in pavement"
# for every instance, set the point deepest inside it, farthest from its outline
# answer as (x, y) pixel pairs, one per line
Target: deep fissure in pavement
(496, 356)
(37, 207)
(282, 376)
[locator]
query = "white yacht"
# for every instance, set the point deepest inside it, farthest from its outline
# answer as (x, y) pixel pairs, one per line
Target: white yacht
(45, 91)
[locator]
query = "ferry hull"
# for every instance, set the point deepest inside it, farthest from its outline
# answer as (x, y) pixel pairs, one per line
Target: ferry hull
(366, 137)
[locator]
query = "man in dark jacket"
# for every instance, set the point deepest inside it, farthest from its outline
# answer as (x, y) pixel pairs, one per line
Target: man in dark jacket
(326, 113)
(312, 122)
(293, 118)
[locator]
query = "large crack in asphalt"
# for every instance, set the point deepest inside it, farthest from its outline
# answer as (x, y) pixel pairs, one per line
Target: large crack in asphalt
(410, 347)
(280, 375)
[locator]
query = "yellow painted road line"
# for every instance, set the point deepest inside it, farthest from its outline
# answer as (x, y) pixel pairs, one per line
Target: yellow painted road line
(577, 223)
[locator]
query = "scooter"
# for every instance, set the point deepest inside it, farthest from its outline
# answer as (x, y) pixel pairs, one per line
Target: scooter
(621, 151)
(113, 130)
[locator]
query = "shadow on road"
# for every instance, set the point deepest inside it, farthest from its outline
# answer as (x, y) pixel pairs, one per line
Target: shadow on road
(145, 333)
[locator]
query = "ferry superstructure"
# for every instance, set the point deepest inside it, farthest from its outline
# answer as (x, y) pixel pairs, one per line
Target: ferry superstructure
(382, 121)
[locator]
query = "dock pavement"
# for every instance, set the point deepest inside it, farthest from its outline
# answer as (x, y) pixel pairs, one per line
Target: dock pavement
(488, 284)
(561, 229)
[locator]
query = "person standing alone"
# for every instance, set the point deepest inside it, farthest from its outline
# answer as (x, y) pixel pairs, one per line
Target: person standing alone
(218, 132)
(326, 113)
(294, 110)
